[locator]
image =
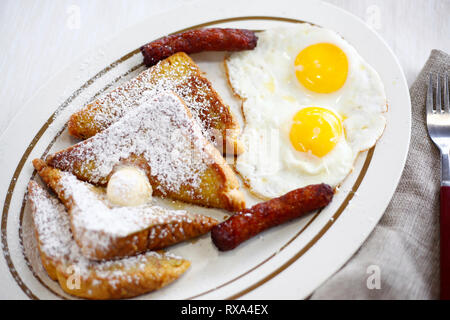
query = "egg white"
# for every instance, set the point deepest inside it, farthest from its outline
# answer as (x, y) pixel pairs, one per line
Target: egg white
(265, 79)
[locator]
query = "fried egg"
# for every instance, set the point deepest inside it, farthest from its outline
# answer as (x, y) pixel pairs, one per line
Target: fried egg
(311, 104)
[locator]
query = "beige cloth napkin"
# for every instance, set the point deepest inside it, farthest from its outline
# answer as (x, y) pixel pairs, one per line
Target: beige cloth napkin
(404, 246)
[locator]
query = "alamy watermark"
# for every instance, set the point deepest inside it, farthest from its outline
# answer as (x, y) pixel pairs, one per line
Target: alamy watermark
(373, 17)
(73, 21)
(374, 279)
(73, 282)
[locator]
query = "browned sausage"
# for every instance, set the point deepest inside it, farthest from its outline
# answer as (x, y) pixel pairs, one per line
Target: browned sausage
(249, 222)
(193, 41)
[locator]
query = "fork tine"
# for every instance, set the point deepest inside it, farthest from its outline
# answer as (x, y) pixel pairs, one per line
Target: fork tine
(438, 94)
(446, 94)
(430, 94)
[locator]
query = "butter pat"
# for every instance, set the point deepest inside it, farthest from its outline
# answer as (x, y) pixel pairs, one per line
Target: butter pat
(129, 186)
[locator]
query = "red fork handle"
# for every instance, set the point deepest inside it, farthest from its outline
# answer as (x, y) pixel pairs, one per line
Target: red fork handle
(445, 242)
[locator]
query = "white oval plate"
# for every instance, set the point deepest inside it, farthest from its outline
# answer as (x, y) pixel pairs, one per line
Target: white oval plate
(289, 261)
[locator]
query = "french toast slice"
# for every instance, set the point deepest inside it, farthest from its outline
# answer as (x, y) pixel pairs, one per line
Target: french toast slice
(161, 137)
(103, 231)
(78, 276)
(180, 74)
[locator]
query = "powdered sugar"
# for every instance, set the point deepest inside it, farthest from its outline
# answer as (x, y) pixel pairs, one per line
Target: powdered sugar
(179, 76)
(160, 130)
(97, 226)
(52, 224)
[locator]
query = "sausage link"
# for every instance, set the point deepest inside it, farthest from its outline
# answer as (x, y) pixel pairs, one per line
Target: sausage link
(249, 222)
(193, 41)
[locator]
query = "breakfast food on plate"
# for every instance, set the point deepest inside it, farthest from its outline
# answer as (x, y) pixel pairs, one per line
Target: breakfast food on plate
(160, 137)
(249, 222)
(78, 276)
(103, 231)
(179, 74)
(310, 104)
(193, 41)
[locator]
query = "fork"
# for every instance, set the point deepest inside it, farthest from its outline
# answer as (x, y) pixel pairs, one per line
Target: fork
(438, 123)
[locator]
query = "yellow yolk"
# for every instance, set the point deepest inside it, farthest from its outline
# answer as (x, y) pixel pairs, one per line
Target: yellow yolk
(316, 130)
(321, 67)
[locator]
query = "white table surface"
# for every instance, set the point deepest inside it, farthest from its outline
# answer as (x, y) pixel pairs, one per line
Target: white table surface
(39, 38)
